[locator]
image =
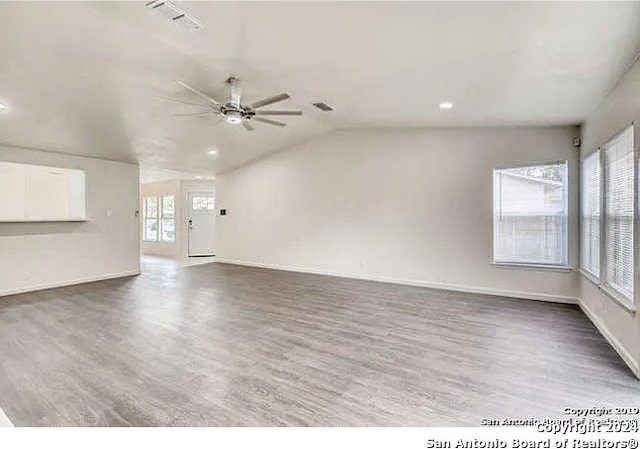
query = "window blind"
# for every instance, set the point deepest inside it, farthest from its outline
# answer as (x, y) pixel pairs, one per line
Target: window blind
(150, 228)
(590, 215)
(530, 214)
(168, 224)
(619, 212)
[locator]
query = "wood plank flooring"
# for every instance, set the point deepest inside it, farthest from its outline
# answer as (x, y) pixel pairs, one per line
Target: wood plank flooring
(223, 345)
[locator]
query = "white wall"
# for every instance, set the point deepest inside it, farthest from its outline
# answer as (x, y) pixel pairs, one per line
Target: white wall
(410, 206)
(41, 255)
(619, 325)
(163, 188)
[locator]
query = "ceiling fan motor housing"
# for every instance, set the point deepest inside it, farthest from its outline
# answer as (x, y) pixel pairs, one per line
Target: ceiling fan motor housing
(235, 114)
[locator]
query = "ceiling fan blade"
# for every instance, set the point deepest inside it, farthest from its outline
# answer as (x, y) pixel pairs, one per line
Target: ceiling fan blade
(271, 122)
(270, 100)
(198, 92)
(278, 112)
(196, 114)
(202, 105)
(247, 126)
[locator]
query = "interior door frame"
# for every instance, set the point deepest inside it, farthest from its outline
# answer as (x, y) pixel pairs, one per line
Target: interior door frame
(188, 215)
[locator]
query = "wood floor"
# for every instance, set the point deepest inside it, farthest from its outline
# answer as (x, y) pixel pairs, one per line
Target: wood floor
(223, 345)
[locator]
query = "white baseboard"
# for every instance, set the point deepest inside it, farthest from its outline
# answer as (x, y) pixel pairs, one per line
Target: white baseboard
(4, 421)
(67, 283)
(417, 283)
(613, 341)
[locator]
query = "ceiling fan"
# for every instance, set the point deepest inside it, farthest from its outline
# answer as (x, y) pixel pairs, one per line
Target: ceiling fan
(233, 111)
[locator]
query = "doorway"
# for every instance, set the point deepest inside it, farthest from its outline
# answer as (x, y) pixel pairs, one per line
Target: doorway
(201, 221)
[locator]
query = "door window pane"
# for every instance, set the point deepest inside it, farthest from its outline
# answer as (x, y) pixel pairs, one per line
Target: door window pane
(203, 203)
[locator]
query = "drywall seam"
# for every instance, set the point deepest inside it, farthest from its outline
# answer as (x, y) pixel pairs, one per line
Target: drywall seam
(63, 153)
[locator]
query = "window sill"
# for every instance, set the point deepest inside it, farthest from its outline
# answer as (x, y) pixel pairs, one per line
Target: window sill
(611, 293)
(618, 299)
(590, 277)
(533, 266)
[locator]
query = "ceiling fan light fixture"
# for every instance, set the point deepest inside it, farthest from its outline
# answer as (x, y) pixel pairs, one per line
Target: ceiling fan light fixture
(446, 105)
(233, 119)
(232, 115)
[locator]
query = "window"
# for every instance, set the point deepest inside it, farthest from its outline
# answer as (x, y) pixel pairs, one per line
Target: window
(202, 203)
(607, 242)
(159, 219)
(168, 224)
(530, 215)
(590, 215)
(150, 213)
(619, 213)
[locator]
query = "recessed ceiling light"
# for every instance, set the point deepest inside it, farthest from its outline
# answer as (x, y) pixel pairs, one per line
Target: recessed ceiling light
(446, 105)
(212, 152)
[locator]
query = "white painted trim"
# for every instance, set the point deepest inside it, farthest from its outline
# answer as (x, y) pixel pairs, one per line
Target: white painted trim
(414, 282)
(198, 260)
(613, 341)
(533, 266)
(4, 421)
(34, 288)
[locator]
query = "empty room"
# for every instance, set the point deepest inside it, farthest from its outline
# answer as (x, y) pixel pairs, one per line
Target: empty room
(319, 214)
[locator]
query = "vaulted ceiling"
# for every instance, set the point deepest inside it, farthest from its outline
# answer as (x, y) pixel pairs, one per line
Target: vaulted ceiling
(93, 78)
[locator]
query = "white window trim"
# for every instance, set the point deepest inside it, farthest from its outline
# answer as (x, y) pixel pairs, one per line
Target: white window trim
(627, 304)
(159, 218)
(535, 266)
(562, 266)
(145, 219)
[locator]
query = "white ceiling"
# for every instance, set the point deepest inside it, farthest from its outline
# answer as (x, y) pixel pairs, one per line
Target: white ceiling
(88, 78)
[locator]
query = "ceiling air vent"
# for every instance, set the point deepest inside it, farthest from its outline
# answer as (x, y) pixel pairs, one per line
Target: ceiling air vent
(323, 106)
(175, 14)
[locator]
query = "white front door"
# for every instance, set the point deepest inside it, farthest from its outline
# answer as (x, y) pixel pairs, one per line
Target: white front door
(201, 221)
